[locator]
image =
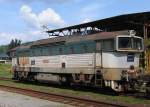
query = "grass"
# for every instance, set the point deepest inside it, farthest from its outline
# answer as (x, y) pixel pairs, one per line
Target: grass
(5, 72)
(79, 93)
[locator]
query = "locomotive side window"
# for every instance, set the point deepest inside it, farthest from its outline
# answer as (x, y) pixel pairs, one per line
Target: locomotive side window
(108, 45)
(84, 48)
(45, 51)
(72, 50)
(41, 51)
(87, 47)
(60, 51)
(35, 52)
(32, 52)
(55, 50)
(98, 46)
(50, 51)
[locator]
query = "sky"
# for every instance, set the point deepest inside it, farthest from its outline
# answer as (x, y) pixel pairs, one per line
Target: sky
(23, 19)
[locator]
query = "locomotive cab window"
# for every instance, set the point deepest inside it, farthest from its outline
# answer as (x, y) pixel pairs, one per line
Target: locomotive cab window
(107, 45)
(137, 43)
(98, 45)
(124, 43)
(130, 43)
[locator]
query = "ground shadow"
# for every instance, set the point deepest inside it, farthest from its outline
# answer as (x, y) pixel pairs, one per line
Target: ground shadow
(105, 91)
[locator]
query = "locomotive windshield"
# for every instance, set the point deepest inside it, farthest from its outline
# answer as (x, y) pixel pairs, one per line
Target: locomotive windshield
(137, 43)
(130, 43)
(124, 43)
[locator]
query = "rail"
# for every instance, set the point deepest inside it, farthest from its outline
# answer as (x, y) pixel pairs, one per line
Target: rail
(66, 99)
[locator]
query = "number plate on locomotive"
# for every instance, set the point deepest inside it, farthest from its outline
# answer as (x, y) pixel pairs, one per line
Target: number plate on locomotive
(130, 57)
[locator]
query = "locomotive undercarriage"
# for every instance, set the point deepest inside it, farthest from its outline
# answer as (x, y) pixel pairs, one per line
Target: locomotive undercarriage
(59, 78)
(92, 80)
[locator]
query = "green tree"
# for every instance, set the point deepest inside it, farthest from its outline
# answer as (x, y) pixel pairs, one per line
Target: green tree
(14, 43)
(3, 48)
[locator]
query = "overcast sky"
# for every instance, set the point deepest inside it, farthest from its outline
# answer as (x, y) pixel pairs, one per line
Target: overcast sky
(23, 19)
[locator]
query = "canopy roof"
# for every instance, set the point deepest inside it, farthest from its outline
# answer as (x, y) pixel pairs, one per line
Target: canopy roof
(134, 21)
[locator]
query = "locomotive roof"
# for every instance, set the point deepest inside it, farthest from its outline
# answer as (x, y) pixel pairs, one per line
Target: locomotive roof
(77, 38)
(21, 47)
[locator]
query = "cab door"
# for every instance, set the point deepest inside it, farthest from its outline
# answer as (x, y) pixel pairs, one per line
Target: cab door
(98, 56)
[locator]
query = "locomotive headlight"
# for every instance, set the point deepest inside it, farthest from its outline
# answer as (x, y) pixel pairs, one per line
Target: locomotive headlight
(132, 32)
(139, 46)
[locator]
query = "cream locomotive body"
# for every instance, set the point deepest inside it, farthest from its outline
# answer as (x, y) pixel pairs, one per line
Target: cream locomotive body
(100, 59)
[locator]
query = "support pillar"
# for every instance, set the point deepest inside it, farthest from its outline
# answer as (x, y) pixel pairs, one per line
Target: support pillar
(146, 63)
(145, 27)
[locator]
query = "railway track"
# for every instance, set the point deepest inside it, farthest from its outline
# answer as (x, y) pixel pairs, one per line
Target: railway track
(75, 101)
(6, 79)
(66, 99)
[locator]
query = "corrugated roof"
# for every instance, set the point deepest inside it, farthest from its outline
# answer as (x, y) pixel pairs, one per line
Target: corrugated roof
(121, 22)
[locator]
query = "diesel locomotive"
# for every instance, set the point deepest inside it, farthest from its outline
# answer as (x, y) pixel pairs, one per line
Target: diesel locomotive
(101, 59)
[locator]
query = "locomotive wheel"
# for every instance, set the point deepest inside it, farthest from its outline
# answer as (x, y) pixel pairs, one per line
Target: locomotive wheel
(66, 80)
(148, 90)
(15, 76)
